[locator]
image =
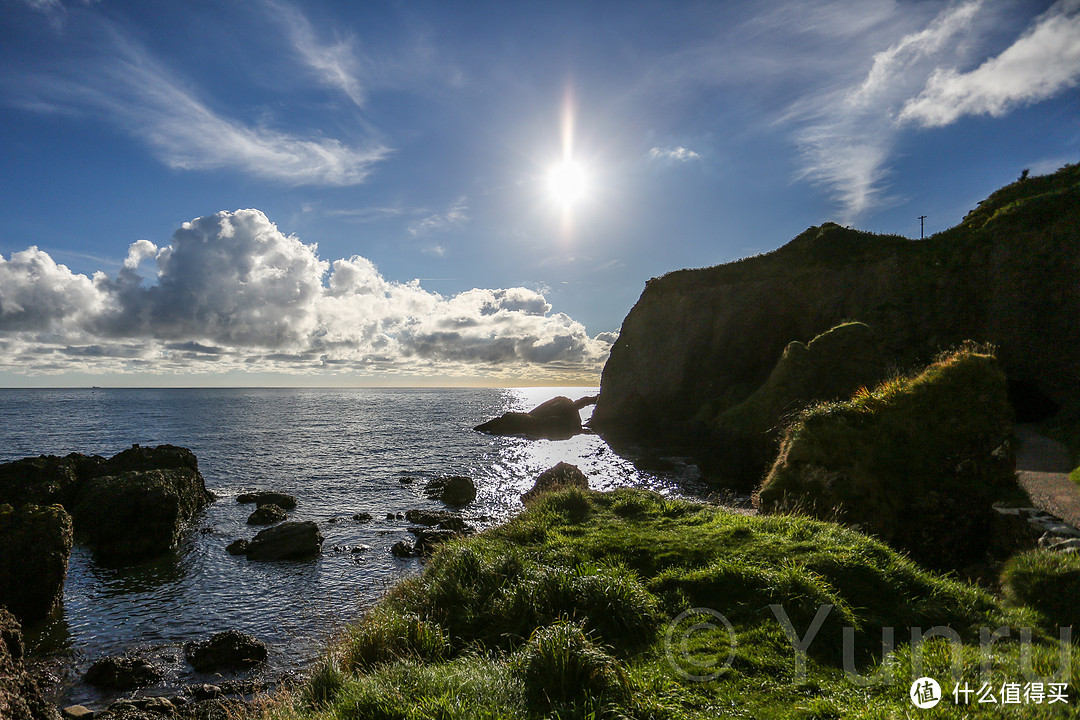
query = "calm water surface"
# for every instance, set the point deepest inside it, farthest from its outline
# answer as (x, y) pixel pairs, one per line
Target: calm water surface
(339, 451)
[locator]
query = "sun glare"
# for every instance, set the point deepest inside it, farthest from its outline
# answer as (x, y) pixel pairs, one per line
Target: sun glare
(567, 182)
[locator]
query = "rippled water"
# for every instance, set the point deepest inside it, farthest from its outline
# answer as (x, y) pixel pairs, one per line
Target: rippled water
(339, 451)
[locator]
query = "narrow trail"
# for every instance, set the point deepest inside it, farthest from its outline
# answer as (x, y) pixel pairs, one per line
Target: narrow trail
(1043, 466)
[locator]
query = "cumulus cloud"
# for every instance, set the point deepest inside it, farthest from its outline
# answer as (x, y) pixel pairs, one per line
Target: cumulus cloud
(232, 291)
(675, 154)
(1044, 61)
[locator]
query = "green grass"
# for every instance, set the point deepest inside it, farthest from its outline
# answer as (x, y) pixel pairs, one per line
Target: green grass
(571, 614)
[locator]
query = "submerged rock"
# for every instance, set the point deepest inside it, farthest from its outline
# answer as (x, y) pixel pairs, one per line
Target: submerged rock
(267, 514)
(271, 497)
(556, 419)
(123, 672)
(35, 543)
(443, 518)
(229, 650)
(561, 476)
(456, 490)
(288, 541)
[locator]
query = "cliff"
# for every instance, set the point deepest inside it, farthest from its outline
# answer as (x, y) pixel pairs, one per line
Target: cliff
(700, 342)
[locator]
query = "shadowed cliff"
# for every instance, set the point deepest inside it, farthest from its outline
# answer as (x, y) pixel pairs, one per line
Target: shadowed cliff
(700, 342)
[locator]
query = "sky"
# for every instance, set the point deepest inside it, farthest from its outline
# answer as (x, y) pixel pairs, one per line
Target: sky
(307, 192)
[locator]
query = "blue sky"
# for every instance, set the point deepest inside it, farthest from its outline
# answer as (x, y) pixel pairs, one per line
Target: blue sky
(283, 192)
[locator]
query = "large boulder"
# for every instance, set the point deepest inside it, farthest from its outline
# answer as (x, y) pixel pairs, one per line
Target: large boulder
(917, 461)
(556, 419)
(21, 697)
(138, 514)
(564, 475)
(700, 342)
(128, 507)
(832, 366)
(35, 542)
(229, 650)
(293, 540)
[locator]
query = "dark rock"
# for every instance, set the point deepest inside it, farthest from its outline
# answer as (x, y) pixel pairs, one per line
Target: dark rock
(556, 419)
(700, 342)
(455, 490)
(427, 539)
(159, 706)
(21, 697)
(128, 507)
(561, 476)
(203, 692)
(123, 672)
(264, 497)
(443, 518)
(402, 549)
(238, 547)
(138, 513)
(586, 401)
(359, 548)
(35, 542)
(266, 514)
(229, 650)
(832, 366)
(362, 517)
(288, 541)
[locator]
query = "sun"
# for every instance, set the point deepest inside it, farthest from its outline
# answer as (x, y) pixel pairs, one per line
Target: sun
(567, 183)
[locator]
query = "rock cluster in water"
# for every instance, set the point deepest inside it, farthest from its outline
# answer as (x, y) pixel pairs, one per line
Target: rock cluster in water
(128, 507)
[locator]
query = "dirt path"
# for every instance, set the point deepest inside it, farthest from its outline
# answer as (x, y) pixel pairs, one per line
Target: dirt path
(1043, 466)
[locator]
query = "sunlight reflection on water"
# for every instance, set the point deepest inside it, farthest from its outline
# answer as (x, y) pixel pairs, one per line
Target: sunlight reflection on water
(339, 451)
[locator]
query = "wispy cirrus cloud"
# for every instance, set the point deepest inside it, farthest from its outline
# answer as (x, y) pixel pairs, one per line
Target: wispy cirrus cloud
(127, 86)
(336, 64)
(1044, 61)
(456, 214)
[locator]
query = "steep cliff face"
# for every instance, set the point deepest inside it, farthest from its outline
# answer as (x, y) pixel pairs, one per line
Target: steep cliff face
(699, 342)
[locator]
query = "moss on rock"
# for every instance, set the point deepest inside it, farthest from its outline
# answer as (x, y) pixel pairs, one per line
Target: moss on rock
(917, 461)
(35, 542)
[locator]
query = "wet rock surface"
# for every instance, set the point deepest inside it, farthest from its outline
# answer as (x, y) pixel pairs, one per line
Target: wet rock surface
(556, 419)
(35, 543)
(229, 650)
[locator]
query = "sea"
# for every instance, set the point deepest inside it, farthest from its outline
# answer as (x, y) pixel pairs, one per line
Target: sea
(339, 452)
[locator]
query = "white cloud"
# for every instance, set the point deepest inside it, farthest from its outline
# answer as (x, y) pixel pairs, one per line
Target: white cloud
(847, 134)
(675, 154)
(456, 214)
(133, 91)
(1041, 63)
(231, 291)
(336, 64)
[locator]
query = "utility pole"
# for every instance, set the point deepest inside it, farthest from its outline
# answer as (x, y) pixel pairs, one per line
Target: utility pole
(922, 232)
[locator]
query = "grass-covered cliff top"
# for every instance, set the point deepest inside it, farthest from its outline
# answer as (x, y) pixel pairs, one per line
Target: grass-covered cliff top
(1031, 202)
(575, 608)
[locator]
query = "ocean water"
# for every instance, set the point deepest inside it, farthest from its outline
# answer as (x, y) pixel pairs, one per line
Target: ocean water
(339, 451)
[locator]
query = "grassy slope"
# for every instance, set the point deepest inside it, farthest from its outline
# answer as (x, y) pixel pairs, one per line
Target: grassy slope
(563, 611)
